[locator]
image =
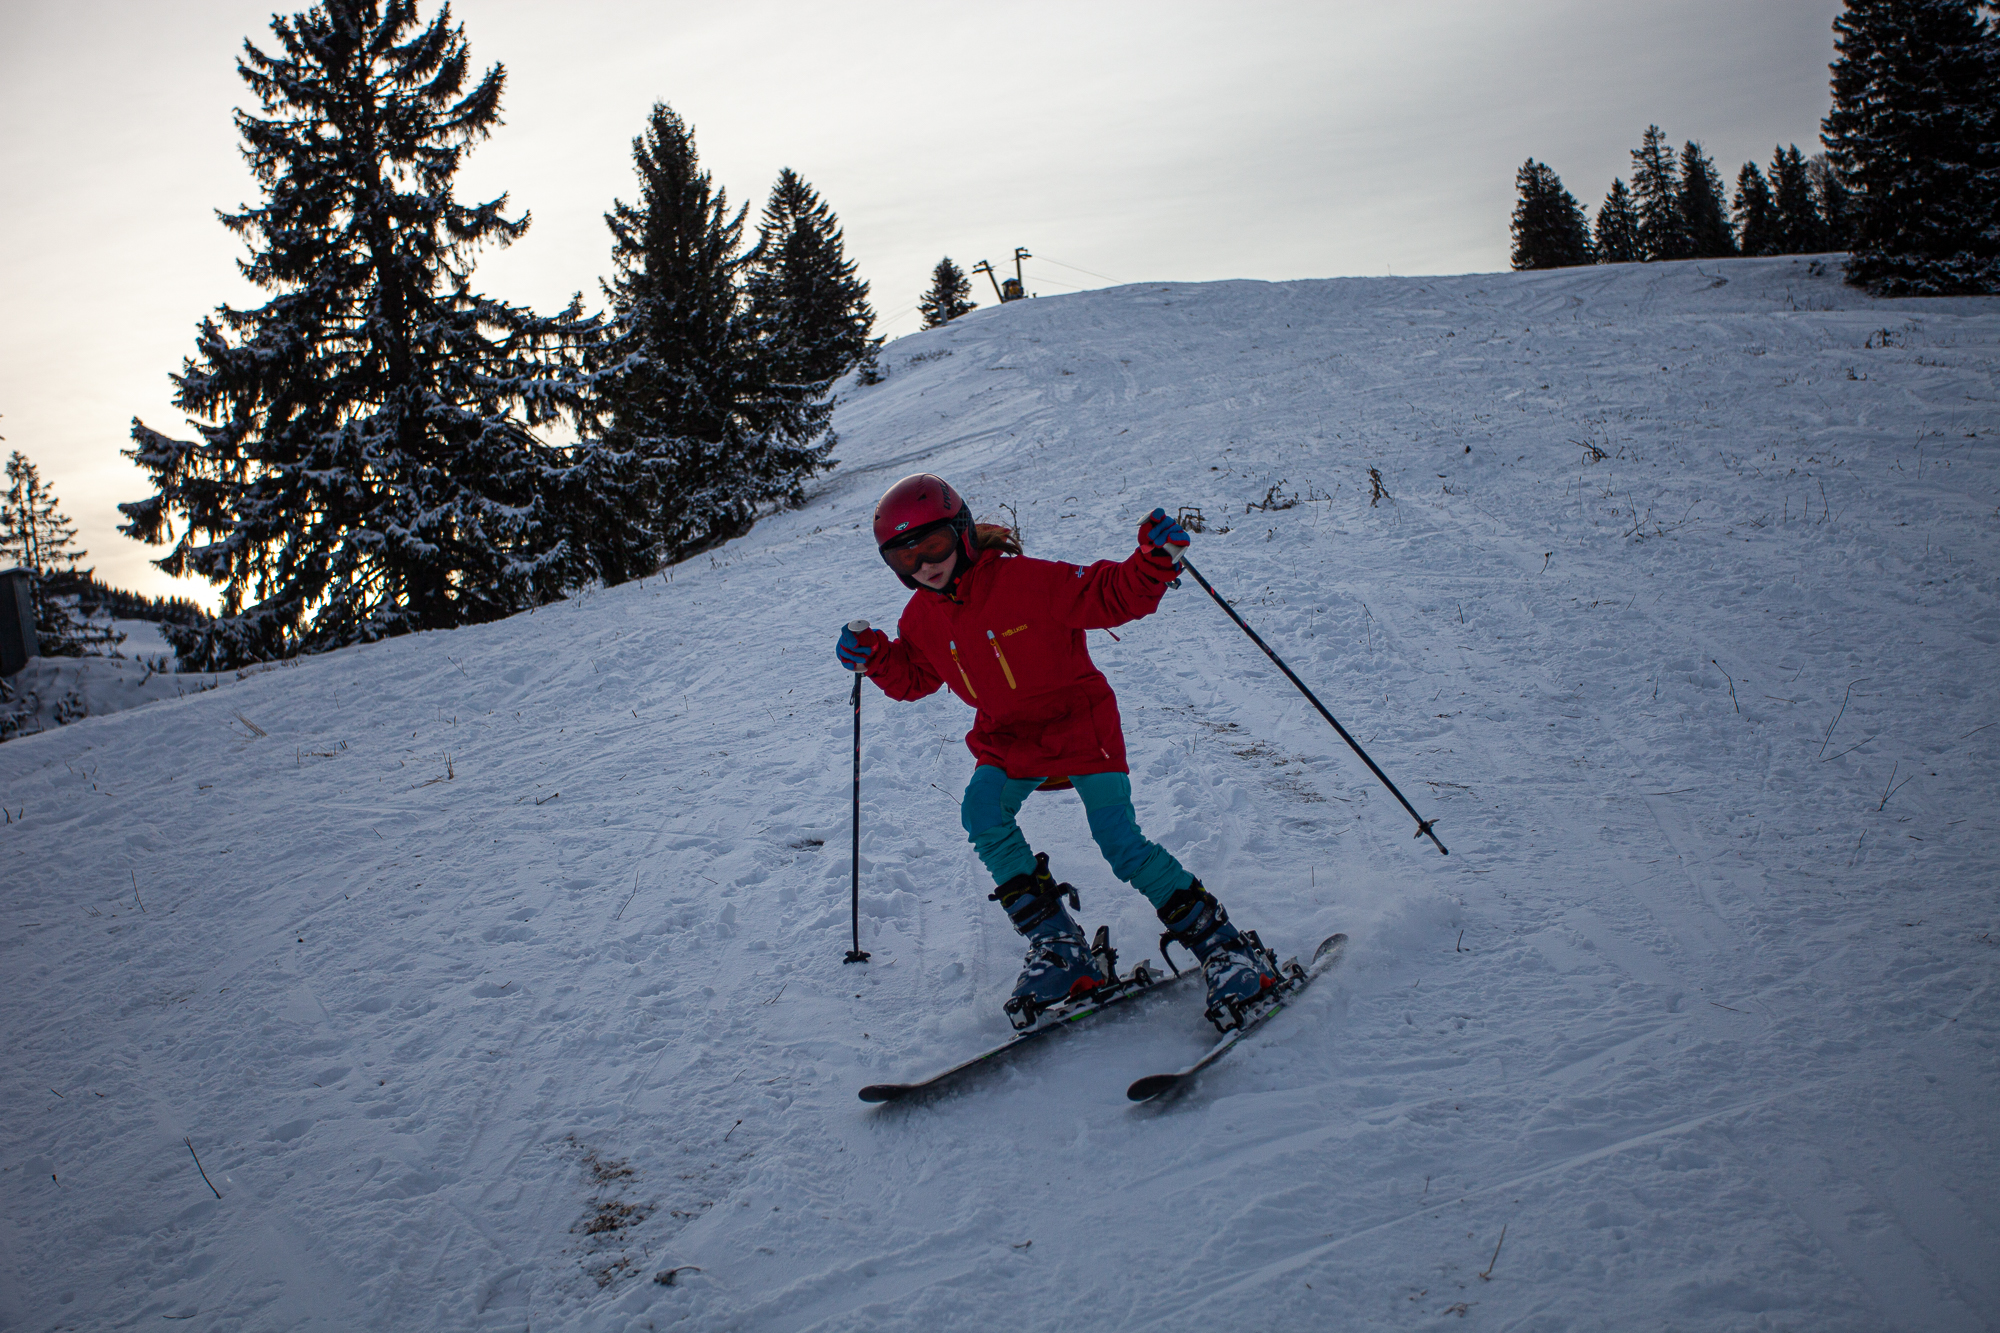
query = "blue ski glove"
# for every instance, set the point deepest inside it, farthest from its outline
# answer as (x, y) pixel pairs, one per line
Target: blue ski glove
(860, 647)
(1157, 532)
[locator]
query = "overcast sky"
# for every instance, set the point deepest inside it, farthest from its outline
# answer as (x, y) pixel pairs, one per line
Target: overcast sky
(1136, 141)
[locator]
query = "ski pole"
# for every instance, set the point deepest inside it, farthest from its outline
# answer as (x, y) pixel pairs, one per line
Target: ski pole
(857, 954)
(1423, 825)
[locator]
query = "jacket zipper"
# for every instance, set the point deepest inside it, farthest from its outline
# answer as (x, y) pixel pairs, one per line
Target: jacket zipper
(1004, 668)
(961, 668)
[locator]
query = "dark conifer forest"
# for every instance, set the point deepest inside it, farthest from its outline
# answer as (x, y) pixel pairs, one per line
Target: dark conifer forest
(381, 447)
(1908, 184)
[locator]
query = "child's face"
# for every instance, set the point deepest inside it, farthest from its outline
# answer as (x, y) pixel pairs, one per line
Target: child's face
(935, 576)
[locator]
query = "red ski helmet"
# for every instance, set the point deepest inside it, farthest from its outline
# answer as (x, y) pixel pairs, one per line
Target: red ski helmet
(915, 508)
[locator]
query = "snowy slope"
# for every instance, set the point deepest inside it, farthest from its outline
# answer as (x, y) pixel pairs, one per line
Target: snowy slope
(496, 971)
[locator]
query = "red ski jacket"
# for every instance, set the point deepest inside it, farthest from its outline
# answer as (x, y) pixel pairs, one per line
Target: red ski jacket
(1010, 643)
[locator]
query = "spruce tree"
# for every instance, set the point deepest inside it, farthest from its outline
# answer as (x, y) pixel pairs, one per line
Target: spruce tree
(810, 311)
(1701, 206)
(1755, 213)
(948, 297)
(1915, 131)
(1833, 200)
(1797, 228)
(366, 463)
(868, 370)
(698, 433)
(38, 537)
(1549, 228)
(665, 377)
(1617, 232)
(1656, 190)
(33, 534)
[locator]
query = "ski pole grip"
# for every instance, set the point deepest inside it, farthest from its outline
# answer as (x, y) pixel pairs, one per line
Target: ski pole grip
(858, 626)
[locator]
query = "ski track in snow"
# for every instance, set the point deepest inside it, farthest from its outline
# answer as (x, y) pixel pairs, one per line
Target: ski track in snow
(542, 920)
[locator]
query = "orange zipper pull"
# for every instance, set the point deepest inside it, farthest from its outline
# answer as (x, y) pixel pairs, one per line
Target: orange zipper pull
(1005, 669)
(961, 668)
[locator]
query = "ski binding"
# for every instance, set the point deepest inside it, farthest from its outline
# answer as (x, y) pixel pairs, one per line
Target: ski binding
(1032, 1024)
(1293, 979)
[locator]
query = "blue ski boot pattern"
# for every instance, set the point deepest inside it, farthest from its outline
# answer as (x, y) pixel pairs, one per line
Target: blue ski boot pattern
(1236, 969)
(1059, 965)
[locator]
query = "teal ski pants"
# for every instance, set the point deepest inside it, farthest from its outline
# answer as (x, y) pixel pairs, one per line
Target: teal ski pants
(992, 799)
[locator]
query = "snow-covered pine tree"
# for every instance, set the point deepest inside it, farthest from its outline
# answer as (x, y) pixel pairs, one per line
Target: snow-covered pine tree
(367, 462)
(36, 536)
(665, 375)
(1701, 205)
(1755, 213)
(1915, 130)
(1796, 226)
(1549, 228)
(868, 370)
(1656, 191)
(809, 310)
(1617, 231)
(698, 434)
(948, 297)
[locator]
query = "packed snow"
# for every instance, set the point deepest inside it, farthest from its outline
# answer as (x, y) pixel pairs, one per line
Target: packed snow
(57, 691)
(126, 663)
(492, 979)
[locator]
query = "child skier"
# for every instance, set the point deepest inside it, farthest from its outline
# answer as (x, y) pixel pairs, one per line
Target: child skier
(1006, 633)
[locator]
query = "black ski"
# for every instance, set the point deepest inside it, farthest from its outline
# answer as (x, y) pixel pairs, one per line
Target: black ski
(1059, 1019)
(1295, 980)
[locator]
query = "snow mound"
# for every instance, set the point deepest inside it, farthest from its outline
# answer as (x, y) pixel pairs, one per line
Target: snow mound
(472, 980)
(54, 691)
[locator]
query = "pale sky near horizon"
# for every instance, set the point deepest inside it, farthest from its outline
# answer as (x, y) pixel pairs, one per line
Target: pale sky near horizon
(1159, 141)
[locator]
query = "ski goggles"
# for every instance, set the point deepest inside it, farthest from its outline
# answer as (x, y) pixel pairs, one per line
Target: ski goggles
(926, 546)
